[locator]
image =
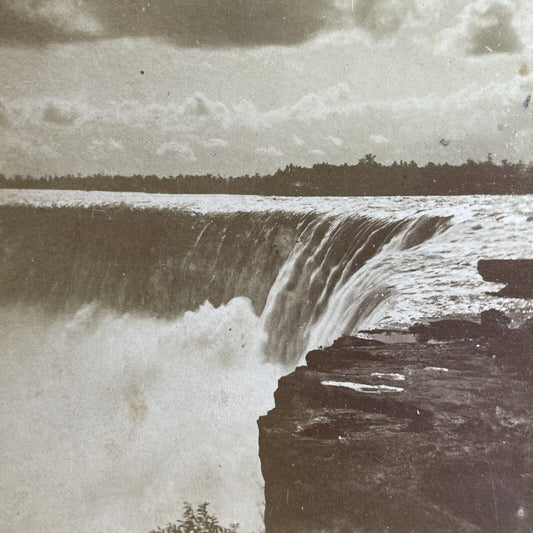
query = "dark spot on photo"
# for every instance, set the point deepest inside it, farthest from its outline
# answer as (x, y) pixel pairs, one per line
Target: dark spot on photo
(523, 70)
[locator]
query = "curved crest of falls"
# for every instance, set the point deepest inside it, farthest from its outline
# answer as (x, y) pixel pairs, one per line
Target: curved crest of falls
(142, 335)
(310, 276)
(335, 279)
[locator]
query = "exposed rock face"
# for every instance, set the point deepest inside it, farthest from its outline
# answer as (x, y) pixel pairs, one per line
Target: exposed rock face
(373, 437)
(517, 274)
(493, 324)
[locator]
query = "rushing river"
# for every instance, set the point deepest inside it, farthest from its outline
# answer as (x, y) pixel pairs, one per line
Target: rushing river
(142, 335)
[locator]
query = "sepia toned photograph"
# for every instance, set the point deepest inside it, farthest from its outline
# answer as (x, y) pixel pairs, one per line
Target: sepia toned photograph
(266, 266)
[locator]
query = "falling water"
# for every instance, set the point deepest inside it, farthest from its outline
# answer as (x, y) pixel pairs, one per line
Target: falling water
(142, 335)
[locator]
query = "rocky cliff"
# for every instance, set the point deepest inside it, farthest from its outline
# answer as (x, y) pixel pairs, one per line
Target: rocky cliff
(374, 437)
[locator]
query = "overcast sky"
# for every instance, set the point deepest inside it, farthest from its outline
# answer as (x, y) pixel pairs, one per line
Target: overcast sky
(245, 86)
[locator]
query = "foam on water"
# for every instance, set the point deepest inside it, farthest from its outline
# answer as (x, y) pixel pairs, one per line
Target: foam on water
(111, 422)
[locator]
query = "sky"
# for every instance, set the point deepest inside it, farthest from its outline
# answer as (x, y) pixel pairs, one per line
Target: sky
(241, 87)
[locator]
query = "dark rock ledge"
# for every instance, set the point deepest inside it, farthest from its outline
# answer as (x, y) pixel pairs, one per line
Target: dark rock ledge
(406, 437)
(517, 274)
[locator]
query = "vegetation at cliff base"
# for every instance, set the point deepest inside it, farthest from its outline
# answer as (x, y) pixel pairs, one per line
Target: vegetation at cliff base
(197, 521)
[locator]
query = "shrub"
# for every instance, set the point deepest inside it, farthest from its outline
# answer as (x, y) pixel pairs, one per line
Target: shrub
(197, 521)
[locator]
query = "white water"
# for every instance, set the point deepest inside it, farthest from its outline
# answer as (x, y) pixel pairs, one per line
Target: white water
(111, 421)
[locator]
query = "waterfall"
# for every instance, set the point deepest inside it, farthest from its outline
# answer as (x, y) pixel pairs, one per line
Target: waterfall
(142, 335)
(311, 277)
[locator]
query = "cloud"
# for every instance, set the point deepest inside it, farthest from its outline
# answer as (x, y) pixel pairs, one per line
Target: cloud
(215, 143)
(100, 149)
(43, 21)
(183, 22)
(269, 151)
(485, 27)
(316, 104)
(381, 17)
(188, 132)
(199, 106)
(54, 114)
(197, 23)
(115, 145)
(176, 147)
(37, 150)
(378, 139)
(484, 24)
(335, 140)
(297, 141)
(491, 29)
(215, 124)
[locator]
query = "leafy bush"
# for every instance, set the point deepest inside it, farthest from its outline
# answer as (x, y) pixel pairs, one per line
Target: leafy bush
(199, 521)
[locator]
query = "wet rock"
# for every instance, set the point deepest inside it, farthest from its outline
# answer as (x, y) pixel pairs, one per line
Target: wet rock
(403, 437)
(493, 323)
(517, 274)
(514, 348)
(355, 342)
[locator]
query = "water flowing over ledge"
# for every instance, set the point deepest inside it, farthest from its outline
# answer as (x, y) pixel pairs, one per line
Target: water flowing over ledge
(311, 277)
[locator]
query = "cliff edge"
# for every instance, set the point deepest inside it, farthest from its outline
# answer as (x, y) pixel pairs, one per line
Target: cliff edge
(418, 437)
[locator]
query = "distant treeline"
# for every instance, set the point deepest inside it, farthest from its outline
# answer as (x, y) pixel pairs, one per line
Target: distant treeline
(367, 178)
